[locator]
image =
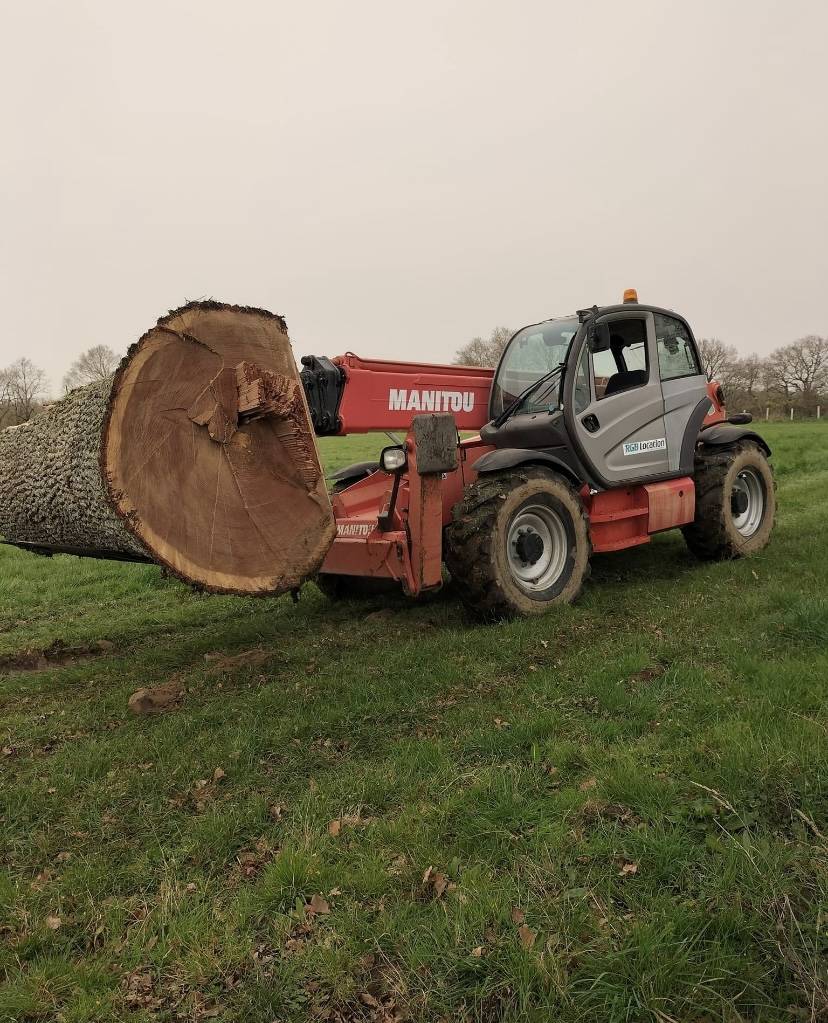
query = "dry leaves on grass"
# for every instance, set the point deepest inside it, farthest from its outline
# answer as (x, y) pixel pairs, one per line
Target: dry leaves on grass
(527, 936)
(436, 884)
(627, 869)
(590, 783)
(54, 923)
(317, 906)
(338, 824)
(251, 861)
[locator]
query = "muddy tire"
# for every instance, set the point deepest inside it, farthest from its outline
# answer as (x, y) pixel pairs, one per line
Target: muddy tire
(518, 543)
(735, 502)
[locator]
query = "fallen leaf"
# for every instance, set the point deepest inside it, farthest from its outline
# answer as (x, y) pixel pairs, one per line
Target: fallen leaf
(590, 783)
(317, 906)
(335, 828)
(276, 810)
(518, 916)
(190, 886)
(218, 774)
(53, 923)
(62, 857)
(628, 868)
(440, 883)
(527, 936)
(477, 952)
(369, 1000)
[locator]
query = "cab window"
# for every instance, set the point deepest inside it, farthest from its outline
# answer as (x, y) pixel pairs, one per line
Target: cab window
(626, 365)
(676, 351)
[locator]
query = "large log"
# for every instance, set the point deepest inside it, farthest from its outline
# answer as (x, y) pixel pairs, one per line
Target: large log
(199, 455)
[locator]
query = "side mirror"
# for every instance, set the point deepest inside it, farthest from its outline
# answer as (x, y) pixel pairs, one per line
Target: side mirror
(599, 337)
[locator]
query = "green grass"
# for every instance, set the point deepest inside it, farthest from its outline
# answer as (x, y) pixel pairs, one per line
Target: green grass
(643, 776)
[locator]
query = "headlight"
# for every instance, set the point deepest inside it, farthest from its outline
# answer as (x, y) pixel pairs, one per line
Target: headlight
(393, 459)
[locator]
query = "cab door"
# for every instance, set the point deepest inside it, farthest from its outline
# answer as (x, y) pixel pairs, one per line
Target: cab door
(619, 417)
(684, 387)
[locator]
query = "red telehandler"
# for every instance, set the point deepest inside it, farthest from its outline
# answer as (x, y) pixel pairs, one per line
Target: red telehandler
(594, 431)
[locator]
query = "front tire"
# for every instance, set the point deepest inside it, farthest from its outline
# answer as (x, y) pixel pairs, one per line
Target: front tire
(735, 502)
(519, 543)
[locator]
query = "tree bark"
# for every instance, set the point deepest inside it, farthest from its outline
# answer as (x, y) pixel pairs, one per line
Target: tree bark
(199, 455)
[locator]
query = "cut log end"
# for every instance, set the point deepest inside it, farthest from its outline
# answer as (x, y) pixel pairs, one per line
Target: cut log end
(202, 453)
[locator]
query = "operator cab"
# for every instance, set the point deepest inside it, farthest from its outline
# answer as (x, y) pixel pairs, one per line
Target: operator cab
(616, 393)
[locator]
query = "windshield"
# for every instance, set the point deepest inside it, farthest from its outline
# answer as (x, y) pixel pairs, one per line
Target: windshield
(532, 353)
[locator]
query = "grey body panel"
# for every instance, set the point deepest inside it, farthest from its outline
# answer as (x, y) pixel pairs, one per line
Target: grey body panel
(629, 418)
(691, 436)
(682, 397)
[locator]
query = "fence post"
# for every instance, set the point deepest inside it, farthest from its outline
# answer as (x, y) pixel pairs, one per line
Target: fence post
(767, 412)
(819, 407)
(791, 415)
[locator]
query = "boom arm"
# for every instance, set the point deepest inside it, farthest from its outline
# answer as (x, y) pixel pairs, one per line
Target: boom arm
(352, 395)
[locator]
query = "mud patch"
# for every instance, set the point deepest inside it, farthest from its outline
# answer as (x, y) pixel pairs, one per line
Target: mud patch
(56, 655)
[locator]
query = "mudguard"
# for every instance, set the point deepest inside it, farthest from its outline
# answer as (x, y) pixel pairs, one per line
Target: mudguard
(509, 458)
(725, 435)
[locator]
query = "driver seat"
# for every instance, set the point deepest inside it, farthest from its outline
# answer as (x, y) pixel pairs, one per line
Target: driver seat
(625, 381)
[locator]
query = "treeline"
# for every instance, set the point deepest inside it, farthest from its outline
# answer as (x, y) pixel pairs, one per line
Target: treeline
(792, 378)
(24, 387)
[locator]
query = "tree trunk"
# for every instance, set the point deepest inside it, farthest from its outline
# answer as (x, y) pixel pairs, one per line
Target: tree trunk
(199, 455)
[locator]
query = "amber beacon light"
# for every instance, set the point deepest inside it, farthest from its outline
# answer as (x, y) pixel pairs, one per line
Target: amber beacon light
(630, 295)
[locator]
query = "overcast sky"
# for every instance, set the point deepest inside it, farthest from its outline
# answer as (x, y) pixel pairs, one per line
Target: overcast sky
(396, 178)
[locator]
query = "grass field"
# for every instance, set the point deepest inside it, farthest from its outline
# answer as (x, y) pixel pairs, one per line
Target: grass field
(615, 813)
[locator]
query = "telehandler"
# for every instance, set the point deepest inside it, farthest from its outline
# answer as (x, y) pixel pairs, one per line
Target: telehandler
(596, 431)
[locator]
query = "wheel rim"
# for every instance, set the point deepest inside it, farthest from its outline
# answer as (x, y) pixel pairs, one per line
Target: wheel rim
(537, 548)
(747, 501)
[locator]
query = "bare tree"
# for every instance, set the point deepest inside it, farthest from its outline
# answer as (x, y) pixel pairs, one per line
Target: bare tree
(22, 389)
(743, 380)
(95, 363)
(483, 351)
(715, 356)
(799, 371)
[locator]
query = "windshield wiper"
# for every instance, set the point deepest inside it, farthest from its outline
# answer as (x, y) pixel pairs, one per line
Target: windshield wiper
(521, 398)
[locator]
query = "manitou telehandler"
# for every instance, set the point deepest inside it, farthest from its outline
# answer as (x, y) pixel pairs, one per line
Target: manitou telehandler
(595, 431)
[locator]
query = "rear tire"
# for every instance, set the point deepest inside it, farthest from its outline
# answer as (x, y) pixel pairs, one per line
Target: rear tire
(735, 502)
(519, 543)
